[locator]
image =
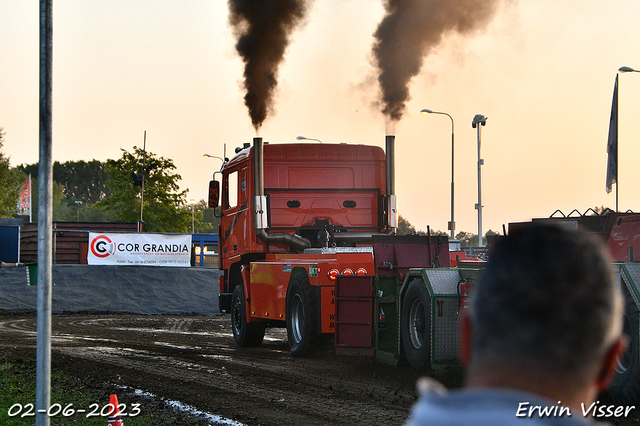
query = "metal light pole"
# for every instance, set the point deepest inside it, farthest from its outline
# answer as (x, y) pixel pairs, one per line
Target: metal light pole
(45, 218)
(452, 223)
(478, 121)
(213, 156)
(144, 164)
(77, 203)
(620, 70)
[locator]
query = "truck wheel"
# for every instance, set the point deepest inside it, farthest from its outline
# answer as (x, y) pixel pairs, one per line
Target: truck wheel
(625, 388)
(246, 334)
(415, 324)
(301, 315)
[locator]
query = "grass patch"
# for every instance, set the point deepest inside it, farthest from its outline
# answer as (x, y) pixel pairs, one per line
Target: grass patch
(18, 384)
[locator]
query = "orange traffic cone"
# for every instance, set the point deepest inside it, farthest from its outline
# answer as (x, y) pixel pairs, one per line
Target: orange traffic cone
(114, 412)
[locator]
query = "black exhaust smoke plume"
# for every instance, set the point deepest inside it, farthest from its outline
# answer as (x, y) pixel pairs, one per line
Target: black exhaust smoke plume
(408, 32)
(262, 28)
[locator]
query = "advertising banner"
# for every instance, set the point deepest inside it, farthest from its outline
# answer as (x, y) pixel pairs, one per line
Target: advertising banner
(139, 249)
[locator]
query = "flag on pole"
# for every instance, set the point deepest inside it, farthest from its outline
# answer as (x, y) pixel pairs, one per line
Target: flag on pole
(24, 200)
(612, 142)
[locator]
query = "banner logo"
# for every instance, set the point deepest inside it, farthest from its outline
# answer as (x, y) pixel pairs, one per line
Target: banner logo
(102, 246)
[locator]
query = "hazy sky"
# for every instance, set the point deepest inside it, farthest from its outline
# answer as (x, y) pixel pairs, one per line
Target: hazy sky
(542, 71)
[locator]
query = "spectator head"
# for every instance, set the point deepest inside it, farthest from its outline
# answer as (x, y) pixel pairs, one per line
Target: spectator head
(546, 302)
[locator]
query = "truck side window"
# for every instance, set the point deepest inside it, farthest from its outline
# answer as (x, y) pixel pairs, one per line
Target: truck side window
(231, 190)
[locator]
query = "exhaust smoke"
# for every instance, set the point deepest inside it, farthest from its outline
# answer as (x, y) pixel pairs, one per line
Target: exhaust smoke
(408, 33)
(262, 28)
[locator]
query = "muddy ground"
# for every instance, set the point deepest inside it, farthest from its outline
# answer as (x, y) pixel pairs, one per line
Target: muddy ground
(193, 359)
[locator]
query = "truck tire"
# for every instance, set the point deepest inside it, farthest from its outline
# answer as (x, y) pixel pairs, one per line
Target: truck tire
(415, 324)
(301, 315)
(246, 334)
(625, 387)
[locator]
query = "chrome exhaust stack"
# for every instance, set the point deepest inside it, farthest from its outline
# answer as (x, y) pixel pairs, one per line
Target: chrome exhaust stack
(260, 214)
(391, 203)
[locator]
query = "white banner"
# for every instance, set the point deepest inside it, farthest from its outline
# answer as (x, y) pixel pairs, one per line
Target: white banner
(139, 249)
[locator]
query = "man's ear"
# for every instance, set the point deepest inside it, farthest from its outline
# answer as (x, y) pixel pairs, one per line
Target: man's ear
(465, 340)
(608, 364)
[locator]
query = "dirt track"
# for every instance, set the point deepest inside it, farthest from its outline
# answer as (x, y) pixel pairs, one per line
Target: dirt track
(193, 359)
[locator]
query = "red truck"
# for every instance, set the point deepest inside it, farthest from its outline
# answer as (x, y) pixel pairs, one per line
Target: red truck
(298, 218)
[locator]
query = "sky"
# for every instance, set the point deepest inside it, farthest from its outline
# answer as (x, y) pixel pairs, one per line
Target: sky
(541, 71)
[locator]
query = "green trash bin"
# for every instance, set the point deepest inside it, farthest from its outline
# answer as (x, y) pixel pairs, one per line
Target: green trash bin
(32, 273)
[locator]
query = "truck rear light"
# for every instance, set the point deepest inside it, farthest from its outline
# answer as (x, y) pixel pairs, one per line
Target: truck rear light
(347, 271)
(332, 274)
(361, 271)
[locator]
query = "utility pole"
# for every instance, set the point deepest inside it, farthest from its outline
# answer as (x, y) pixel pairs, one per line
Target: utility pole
(144, 161)
(45, 218)
(77, 203)
(478, 121)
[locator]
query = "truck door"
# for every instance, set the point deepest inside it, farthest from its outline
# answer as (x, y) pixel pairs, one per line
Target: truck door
(235, 213)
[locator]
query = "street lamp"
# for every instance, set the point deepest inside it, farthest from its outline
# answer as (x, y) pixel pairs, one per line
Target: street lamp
(302, 138)
(77, 203)
(452, 224)
(478, 121)
(612, 168)
(627, 69)
(213, 156)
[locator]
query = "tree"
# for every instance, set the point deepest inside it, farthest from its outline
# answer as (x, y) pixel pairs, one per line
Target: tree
(164, 207)
(404, 227)
(74, 181)
(467, 239)
(62, 212)
(602, 210)
(10, 181)
(206, 221)
(491, 233)
(81, 180)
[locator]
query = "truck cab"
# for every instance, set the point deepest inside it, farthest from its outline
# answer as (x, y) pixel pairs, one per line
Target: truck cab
(293, 217)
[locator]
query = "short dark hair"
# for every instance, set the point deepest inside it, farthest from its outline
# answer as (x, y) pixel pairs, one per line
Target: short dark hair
(547, 299)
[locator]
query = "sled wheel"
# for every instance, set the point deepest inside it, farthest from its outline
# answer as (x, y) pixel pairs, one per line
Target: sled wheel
(625, 387)
(415, 324)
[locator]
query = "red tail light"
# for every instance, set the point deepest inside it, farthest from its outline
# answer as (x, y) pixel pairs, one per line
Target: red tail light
(333, 273)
